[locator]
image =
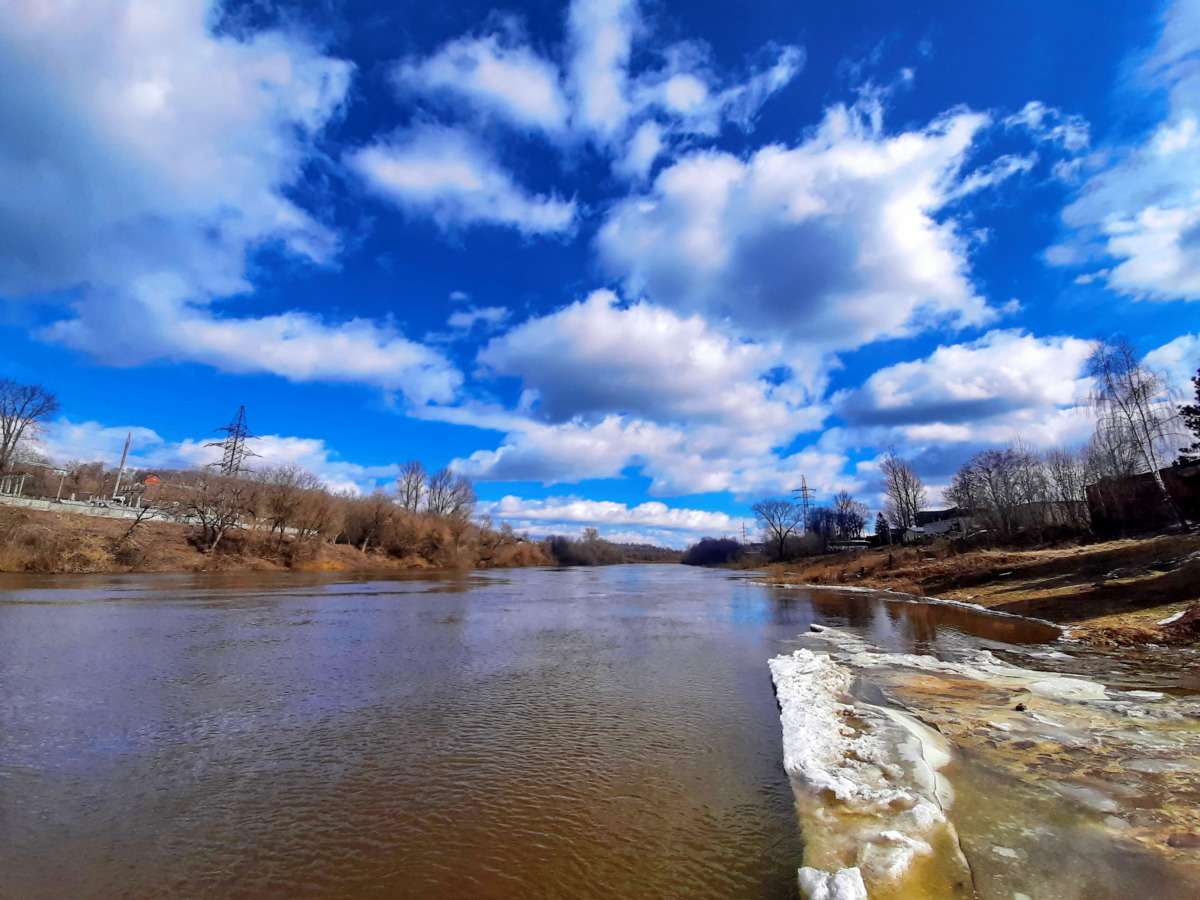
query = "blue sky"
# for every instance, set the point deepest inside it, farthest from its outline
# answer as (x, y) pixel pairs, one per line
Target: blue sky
(632, 264)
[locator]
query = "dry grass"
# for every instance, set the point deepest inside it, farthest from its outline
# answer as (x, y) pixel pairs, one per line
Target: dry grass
(1111, 591)
(36, 541)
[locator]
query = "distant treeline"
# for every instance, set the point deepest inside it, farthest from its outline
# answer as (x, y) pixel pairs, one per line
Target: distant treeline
(593, 550)
(712, 551)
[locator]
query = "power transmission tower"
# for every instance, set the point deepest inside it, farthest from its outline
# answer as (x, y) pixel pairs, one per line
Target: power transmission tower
(235, 450)
(806, 494)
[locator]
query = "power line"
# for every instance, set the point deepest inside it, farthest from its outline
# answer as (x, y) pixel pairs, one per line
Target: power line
(235, 450)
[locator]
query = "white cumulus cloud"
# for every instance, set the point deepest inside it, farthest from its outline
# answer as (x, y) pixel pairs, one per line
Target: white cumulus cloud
(962, 398)
(596, 357)
(576, 512)
(1140, 215)
(1178, 360)
(616, 89)
(496, 72)
(448, 175)
(601, 36)
(999, 373)
(833, 243)
(143, 157)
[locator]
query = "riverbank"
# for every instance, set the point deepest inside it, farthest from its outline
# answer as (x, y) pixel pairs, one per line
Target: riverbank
(1109, 593)
(1003, 781)
(62, 543)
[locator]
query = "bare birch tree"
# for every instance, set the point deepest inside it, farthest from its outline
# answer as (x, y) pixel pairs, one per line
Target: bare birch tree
(439, 491)
(906, 493)
(1110, 454)
(24, 408)
(410, 486)
(1134, 406)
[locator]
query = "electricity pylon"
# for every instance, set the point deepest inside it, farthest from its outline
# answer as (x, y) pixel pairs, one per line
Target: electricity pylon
(235, 450)
(806, 494)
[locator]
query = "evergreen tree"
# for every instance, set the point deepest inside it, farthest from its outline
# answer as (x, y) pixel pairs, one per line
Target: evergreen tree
(881, 528)
(1190, 415)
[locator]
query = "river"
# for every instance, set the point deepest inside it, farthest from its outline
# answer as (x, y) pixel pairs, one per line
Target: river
(550, 733)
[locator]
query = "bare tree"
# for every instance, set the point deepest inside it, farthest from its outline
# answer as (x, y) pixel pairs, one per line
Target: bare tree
(822, 526)
(1066, 483)
(780, 520)
(439, 498)
(410, 486)
(24, 408)
(282, 492)
(1135, 406)
(1007, 489)
(1110, 454)
(461, 498)
(370, 520)
(318, 514)
(493, 541)
(850, 516)
(906, 493)
(219, 504)
(963, 491)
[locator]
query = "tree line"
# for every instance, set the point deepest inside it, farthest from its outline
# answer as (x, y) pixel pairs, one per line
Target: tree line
(426, 517)
(590, 549)
(1016, 489)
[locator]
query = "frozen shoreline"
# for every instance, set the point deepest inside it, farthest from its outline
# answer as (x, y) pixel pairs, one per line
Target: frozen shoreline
(877, 814)
(867, 783)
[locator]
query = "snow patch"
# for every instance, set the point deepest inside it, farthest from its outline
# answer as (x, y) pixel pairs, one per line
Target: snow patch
(845, 884)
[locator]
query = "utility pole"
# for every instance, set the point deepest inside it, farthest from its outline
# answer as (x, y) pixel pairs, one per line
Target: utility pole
(806, 494)
(120, 471)
(235, 450)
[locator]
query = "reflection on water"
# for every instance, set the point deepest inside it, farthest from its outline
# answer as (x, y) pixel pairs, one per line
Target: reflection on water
(575, 733)
(906, 626)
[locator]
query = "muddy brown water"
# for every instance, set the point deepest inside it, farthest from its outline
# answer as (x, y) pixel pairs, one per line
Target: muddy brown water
(571, 733)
